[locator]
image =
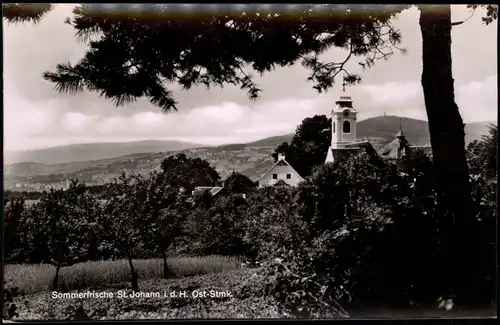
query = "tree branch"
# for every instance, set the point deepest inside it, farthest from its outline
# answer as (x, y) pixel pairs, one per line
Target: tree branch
(463, 21)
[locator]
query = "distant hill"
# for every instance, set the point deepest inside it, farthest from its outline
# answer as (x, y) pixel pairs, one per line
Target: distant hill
(385, 128)
(94, 151)
(272, 141)
(416, 131)
(475, 131)
(99, 163)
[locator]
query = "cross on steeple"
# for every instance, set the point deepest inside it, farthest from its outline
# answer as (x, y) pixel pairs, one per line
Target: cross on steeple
(343, 86)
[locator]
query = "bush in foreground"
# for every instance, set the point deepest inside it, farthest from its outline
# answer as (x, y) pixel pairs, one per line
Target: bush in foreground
(375, 237)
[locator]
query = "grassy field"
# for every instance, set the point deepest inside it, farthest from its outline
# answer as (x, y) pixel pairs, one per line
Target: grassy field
(37, 278)
(241, 287)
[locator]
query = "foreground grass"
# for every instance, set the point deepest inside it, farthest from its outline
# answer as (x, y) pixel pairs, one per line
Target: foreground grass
(243, 298)
(37, 278)
(242, 285)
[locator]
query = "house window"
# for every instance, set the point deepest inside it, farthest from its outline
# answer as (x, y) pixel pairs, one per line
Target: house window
(275, 176)
(288, 176)
(346, 127)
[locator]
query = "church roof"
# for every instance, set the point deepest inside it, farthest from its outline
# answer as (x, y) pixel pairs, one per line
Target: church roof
(343, 103)
(400, 146)
(344, 100)
(367, 146)
(361, 145)
(393, 149)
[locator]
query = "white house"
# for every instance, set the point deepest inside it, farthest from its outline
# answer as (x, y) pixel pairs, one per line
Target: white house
(281, 172)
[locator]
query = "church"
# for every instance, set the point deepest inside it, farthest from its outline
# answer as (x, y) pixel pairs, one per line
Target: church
(344, 139)
(343, 142)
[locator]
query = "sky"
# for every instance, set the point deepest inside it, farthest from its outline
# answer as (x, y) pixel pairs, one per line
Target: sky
(36, 116)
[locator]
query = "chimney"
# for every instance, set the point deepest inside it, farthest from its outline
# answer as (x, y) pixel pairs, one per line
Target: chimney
(281, 156)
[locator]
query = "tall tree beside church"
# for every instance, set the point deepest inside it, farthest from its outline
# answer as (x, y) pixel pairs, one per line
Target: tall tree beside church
(309, 145)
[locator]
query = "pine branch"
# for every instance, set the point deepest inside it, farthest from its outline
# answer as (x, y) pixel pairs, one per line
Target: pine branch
(25, 12)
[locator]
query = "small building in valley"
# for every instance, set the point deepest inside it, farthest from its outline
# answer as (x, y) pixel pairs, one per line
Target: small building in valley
(216, 191)
(213, 190)
(280, 173)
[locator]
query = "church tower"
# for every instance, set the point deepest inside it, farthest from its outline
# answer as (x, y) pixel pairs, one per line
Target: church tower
(343, 128)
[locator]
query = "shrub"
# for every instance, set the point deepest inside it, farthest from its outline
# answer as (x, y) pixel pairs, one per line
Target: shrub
(271, 223)
(366, 241)
(216, 227)
(9, 307)
(373, 235)
(14, 219)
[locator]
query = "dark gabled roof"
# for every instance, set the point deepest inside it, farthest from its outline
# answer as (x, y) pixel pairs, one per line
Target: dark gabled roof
(394, 149)
(363, 145)
(401, 146)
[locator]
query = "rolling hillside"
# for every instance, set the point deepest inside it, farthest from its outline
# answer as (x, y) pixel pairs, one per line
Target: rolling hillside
(385, 128)
(416, 131)
(94, 151)
(252, 159)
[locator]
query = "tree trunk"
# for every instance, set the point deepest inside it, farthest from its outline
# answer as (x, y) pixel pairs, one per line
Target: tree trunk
(447, 135)
(165, 265)
(133, 272)
(55, 281)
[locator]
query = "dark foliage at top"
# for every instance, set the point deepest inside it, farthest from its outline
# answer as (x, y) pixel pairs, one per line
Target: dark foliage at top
(153, 47)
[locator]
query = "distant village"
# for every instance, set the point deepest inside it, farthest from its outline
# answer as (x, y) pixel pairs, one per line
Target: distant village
(343, 141)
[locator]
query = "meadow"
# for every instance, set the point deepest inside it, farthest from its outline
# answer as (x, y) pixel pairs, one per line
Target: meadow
(190, 274)
(238, 283)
